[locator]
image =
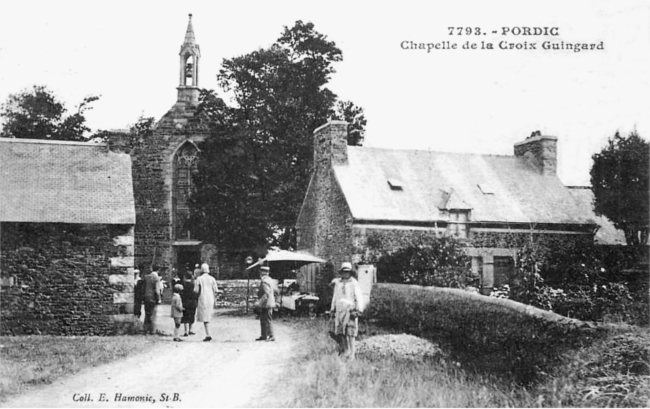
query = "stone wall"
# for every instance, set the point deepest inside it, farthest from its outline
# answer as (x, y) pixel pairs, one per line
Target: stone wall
(366, 240)
(66, 279)
(234, 293)
(325, 224)
(505, 239)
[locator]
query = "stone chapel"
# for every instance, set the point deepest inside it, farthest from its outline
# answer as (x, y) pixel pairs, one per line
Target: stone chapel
(162, 167)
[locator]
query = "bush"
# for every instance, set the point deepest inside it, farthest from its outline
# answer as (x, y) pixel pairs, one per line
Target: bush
(495, 335)
(439, 261)
(613, 372)
(577, 280)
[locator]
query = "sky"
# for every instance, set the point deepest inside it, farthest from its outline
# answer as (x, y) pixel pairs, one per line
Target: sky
(455, 100)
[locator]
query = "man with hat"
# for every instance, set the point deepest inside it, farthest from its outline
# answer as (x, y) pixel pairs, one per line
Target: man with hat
(266, 303)
(347, 304)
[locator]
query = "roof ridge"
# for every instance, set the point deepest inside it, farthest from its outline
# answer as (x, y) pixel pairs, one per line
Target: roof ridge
(53, 142)
(430, 151)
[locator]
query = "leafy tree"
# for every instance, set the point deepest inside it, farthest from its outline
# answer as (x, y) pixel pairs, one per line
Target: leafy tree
(255, 166)
(38, 114)
(352, 114)
(619, 179)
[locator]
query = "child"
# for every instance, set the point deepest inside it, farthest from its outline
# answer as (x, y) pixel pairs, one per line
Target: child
(177, 310)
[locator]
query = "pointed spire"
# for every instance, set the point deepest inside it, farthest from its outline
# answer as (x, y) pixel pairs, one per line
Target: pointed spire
(189, 34)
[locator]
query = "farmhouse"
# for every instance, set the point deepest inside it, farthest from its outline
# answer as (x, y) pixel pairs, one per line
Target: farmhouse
(358, 195)
(66, 238)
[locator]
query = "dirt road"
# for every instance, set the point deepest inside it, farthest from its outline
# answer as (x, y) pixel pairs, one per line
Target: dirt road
(231, 371)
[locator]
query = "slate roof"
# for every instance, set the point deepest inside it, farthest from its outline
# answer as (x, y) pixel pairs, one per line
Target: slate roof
(64, 182)
(431, 181)
(607, 233)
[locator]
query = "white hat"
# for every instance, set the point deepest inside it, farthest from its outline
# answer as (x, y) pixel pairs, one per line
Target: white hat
(265, 270)
(346, 266)
(205, 268)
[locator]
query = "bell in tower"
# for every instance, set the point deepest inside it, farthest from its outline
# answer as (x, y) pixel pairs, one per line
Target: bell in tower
(188, 87)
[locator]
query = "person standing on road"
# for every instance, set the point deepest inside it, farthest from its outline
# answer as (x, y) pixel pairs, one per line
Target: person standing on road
(138, 294)
(151, 299)
(347, 304)
(189, 298)
(206, 288)
(265, 304)
(177, 309)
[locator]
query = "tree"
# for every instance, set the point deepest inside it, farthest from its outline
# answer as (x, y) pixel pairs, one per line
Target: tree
(352, 114)
(38, 114)
(255, 166)
(619, 179)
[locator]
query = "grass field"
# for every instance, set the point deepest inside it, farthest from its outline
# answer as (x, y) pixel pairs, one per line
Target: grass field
(27, 361)
(613, 372)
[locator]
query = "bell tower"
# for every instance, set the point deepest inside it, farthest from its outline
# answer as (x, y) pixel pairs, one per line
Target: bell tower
(188, 87)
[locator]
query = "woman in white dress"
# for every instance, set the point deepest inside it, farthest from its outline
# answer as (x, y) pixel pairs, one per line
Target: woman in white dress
(206, 287)
(347, 303)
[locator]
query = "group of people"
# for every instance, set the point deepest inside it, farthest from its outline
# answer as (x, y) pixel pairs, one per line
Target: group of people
(193, 299)
(347, 305)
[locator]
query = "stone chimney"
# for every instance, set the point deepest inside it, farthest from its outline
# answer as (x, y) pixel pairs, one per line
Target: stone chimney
(331, 144)
(540, 151)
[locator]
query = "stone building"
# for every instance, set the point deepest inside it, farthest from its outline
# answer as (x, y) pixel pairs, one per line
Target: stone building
(162, 167)
(360, 194)
(66, 238)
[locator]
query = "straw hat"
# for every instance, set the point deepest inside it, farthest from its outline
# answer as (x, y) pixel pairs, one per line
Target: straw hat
(265, 270)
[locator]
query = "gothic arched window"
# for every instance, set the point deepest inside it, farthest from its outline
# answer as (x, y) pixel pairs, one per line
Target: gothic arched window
(185, 163)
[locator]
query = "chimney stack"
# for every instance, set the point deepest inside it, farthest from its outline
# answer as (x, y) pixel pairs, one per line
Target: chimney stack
(540, 151)
(331, 144)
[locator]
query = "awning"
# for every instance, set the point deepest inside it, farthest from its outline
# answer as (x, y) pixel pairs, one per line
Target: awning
(285, 255)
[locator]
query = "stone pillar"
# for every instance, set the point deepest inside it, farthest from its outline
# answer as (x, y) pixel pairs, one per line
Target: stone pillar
(487, 281)
(122, 279)
(475, 266)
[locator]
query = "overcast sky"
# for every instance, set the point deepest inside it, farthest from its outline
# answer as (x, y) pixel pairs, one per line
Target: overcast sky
(478, 101)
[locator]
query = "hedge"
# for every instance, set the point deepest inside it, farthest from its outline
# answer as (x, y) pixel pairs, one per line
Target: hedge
(498, 335)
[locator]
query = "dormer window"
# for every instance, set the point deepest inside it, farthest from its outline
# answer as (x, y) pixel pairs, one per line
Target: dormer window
(457, 225)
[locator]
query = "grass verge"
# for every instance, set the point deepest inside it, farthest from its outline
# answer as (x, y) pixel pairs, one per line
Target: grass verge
(611, 372)
(27, 361)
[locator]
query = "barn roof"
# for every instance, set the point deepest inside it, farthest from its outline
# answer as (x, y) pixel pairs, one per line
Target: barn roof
(418, 186)
(64, 182)
(607, 233)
